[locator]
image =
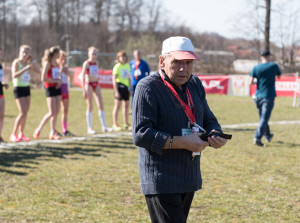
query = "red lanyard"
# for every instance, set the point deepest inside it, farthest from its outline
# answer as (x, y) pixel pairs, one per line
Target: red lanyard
(187, 110)
(136, 66)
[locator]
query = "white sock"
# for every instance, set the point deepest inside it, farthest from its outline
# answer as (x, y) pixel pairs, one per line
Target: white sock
(101, 114)
(88, 116)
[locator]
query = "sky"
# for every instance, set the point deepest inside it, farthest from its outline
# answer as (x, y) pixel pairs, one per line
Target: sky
(220, 16)
(206, 15)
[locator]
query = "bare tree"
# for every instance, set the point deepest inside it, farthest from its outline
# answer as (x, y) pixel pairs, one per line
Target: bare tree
(286, 33)
(154, 14)
(267, 24)
(128, 14)
(6, 17)
(39, 4)
(250, 23)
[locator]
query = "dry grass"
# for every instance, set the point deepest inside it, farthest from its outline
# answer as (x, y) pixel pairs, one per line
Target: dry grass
(96, 180)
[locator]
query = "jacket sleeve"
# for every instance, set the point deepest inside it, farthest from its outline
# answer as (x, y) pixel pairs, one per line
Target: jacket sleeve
(144, 118)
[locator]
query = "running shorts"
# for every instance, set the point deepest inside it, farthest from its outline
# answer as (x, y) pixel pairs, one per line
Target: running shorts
(20, 92)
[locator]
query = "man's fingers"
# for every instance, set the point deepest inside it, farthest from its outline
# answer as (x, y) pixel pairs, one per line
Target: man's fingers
(216, 142)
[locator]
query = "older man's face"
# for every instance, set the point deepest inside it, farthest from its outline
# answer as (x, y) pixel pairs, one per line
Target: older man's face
(137, 55)
(179, 71)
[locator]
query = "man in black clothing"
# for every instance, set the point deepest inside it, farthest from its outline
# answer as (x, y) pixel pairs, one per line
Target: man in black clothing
(169, 107)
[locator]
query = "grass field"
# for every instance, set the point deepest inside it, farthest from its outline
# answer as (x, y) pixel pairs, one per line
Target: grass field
(96, 180)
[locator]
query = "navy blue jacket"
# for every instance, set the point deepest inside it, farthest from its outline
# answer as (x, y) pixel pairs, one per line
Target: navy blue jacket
(157, 114)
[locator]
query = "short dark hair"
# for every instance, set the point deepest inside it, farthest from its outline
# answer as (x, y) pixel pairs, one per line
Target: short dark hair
(265, 53)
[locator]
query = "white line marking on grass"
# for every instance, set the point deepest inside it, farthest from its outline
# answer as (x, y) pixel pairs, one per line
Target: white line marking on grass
(255, 124)
(113, 135)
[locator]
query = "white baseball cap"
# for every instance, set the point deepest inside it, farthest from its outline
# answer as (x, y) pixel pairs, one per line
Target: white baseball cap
(181, 48)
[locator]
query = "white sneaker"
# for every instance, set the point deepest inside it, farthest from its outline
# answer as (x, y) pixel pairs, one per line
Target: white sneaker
(91, 131)
(106, 129)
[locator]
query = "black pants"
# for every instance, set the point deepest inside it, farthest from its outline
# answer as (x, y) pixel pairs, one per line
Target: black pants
(169, 208)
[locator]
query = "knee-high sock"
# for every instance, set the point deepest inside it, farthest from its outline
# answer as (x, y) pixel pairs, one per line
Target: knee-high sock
(101, 114)
(89, 119)
(64, 126)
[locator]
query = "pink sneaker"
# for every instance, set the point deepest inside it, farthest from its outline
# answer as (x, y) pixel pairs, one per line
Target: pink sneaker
(24, 138)
(14, 138)
(36, 134)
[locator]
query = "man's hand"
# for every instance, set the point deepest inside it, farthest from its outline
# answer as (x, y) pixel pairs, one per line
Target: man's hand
(216, 142)
(193, 143)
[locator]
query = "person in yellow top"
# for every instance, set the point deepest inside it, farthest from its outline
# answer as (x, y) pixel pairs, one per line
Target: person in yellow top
(20, 69)
(121, 84)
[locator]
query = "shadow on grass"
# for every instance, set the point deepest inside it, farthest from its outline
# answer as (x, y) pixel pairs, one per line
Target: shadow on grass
(285, 144)
(26, 158)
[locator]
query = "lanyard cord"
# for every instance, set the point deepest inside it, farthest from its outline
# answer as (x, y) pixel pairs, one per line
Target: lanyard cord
(188, 112)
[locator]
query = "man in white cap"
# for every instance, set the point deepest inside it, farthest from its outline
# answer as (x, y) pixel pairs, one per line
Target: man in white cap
(169, 107)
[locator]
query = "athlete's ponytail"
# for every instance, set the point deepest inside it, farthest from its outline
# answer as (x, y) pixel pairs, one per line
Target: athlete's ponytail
(49, 53)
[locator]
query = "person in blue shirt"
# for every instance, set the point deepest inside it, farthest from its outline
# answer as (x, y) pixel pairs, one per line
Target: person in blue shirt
(138, 70)
(265, 74)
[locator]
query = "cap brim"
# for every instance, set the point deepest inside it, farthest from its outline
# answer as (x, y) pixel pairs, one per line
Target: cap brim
(265, 55)
(184, 55)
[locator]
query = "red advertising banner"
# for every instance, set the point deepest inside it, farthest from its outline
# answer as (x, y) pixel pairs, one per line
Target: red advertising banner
(215, 84)
(104, 78)
(285, 86)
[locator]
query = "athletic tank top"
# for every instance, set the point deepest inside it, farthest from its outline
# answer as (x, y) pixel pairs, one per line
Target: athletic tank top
(1, 72)
(92, 69)
(53, 73)
(64, 78)
(24, 79)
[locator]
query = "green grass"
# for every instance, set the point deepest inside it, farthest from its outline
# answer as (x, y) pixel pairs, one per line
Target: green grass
(97, 180)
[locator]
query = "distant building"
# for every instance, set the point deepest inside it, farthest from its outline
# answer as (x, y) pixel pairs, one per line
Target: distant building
(244, 66)
(241, 52)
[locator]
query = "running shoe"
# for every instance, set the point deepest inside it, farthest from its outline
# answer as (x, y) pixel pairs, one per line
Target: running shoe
(2, 140)
(127, 127)
(24, 138)
(58, 133)
(36, 134)
(106, 129)
(67, 133)
(91, 131)
(258, 143)
(14, 138)
(116, 128)
(270, 137)
(54, 136)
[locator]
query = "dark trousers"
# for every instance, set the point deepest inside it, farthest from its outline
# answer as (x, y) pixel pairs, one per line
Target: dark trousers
(264, 107)
(169, 208)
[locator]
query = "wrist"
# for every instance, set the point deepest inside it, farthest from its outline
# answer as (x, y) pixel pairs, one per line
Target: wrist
(171, 142)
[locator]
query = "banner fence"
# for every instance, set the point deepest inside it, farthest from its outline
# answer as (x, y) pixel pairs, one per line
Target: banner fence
(232, 84)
